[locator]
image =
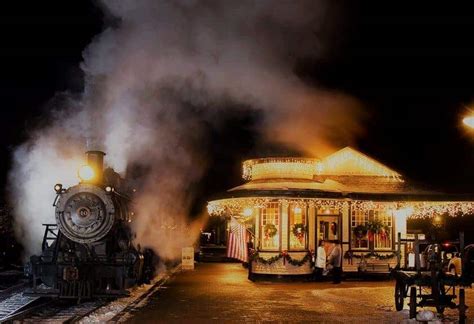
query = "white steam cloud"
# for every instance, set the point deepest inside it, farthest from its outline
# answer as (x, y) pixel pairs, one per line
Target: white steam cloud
(146, 75)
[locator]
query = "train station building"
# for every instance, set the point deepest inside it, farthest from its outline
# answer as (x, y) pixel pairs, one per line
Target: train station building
(289, 205)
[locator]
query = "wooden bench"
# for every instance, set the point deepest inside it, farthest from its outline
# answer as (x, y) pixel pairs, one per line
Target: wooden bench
(375, 268)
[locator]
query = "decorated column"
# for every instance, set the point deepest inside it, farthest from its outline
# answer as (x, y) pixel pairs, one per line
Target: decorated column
(311, 226)
(284, 225)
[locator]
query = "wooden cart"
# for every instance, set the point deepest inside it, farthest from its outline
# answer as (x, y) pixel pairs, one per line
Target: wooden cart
(432, 288)
(424, 288)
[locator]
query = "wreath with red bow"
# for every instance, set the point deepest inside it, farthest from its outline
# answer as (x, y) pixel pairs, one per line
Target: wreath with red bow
(299, 230)
(270, 230)
(371, 229)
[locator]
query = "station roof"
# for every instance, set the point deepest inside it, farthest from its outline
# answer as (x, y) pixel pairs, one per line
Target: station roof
(342, 177)
(345, 171)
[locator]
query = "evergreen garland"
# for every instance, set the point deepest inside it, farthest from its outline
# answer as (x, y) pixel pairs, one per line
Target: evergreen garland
(256, 257)
(350, 255)
(297, 263)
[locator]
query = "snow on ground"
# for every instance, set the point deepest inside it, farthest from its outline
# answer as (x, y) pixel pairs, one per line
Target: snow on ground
(107, 312)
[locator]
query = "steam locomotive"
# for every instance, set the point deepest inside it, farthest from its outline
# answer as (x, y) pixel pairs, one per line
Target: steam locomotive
(89, 252)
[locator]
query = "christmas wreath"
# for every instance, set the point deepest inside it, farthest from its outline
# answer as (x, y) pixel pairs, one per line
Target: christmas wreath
(360, 231)
(298, 231)
(371, 229)
(270, 230)
(375, 226)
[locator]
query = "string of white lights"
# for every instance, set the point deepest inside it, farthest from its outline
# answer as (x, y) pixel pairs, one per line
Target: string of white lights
(241, 206)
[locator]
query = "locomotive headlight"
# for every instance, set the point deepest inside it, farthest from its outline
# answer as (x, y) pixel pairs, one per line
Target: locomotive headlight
(86, 173)
(109, 189)
(58, 187)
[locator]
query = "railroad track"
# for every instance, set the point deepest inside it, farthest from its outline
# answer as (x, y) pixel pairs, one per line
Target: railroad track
(19, 308)
(26, 309)
(59, 312)
(16, 303)
(7, 292)
(53, 311)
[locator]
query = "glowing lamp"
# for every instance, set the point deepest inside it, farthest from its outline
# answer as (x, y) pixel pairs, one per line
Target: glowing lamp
(86, 173)
(58, 187)
(247, 212)
(109, 189)
(469, 121)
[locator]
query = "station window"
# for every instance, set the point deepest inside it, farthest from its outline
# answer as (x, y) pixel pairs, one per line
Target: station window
(270, 227)
(298, 227)
(379, 238)
(383, 240)
(359, 237)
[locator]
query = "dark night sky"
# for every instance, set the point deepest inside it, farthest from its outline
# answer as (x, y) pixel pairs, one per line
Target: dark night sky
(412, 68)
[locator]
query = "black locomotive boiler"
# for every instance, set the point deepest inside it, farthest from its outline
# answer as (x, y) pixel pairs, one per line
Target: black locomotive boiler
(89, 252)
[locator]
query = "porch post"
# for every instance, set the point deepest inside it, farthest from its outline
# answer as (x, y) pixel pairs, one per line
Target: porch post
(257, 212)
(284, 225)
(311, 227)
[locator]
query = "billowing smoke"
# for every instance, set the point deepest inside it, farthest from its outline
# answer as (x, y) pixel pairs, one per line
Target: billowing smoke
(161, 70)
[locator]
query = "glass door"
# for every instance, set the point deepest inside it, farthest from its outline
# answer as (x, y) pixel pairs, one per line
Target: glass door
(328, 228)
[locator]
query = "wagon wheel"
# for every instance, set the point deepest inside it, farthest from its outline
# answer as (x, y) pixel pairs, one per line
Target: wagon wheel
(462, 306)
(400, 293)
(441, 299)
(440, 309)
(413, 302)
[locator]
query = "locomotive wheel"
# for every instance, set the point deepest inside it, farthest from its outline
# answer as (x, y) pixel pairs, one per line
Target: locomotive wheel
(399, 295)
(413, 302)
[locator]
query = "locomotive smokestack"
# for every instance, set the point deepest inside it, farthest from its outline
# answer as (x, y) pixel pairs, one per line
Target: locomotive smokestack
(95, 159)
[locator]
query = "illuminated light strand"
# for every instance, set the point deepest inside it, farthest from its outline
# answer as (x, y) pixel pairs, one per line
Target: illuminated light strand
(426, 209)
(345, 162)
(237, 206)
(351, 162)
(293, 170)
(280, 167)
(430, 210)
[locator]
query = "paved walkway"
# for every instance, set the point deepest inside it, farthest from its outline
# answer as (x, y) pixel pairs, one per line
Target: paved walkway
(221, 292)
